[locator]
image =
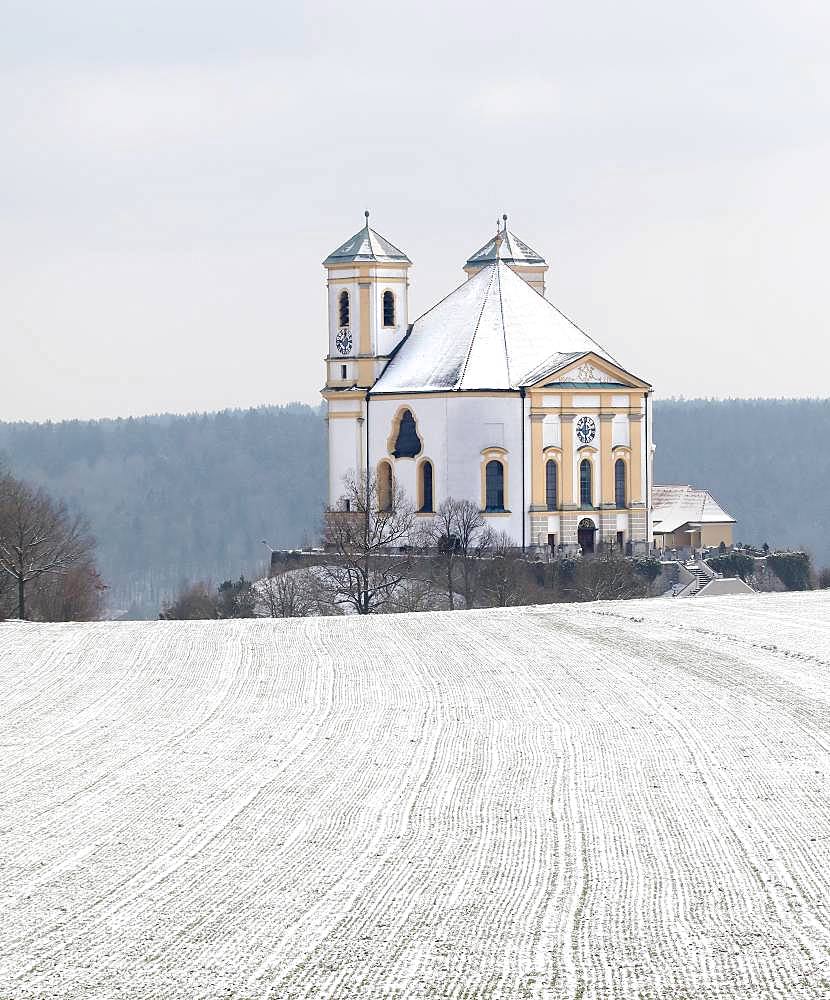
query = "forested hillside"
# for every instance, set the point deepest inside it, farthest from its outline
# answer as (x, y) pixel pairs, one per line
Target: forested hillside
(766, 460)
(191, 497)
(172, 498)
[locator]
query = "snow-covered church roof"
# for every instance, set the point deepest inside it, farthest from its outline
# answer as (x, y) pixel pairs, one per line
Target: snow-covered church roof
(492, 332)
(366, 245)
(675, 506)
(508, 247)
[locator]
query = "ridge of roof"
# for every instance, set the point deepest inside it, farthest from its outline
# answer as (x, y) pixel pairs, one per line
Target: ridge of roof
(486, 334)
(475, 329)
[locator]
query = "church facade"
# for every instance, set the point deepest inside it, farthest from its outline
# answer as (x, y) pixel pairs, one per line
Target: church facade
(493, 395)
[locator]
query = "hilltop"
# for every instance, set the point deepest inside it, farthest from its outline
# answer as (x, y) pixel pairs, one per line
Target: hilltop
(174, 498)
(615, 800)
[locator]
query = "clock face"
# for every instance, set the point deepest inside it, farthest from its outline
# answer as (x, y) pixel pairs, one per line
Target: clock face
(585, 430)
(344, 340)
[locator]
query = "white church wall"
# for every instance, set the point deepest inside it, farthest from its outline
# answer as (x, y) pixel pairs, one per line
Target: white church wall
(648, 460)
(454, 432)
(344, 452)
(482, 422)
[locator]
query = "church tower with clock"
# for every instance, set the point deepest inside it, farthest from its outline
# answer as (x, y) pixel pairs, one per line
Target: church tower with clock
(368, 313)
(368, 308)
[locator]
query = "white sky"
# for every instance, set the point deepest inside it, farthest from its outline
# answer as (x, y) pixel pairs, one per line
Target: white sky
(172, 174)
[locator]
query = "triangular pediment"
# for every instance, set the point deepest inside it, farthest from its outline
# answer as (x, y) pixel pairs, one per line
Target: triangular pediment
(589, 370)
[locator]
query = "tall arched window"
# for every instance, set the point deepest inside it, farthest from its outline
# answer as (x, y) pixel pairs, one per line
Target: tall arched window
(494, 485)
(619, 483)
(384, 486)
(407, 443)
(388, 309)
(426, 488)
(344, 308)
(586, 484)
(551, 485)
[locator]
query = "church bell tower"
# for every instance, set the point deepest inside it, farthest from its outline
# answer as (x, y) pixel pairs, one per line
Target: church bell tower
(368, 310)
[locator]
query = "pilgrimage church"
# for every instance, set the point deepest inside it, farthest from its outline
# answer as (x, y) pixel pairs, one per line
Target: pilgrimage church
(495, 396)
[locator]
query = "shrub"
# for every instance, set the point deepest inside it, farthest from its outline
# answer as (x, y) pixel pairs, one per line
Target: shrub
(792, 569)
(194, 601)
(648, 567)
(733, 564)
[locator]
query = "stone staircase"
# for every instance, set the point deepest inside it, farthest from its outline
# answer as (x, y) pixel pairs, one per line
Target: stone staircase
(701, 575)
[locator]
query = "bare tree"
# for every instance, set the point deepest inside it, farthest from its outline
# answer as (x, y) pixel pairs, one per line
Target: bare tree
(460, 538)
(74, 596)
(504, 574)
(418, 595)
(295, 594)
(369, 535)
(607, 576)
(195, 601)
(38, 536)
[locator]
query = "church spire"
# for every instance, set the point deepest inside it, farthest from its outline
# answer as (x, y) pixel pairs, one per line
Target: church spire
(508, 248)
(366, 245)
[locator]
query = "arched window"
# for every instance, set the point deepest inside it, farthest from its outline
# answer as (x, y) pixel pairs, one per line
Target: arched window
(407, 443)
(494, 485)
(586, 484)
(619, 483)
(388, 309)
(551, 485)
(426, 488)
(344, 308)
(384, 486)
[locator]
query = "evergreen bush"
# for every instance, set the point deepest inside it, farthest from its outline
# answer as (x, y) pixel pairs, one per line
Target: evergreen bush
(792, 569)
(732, 564)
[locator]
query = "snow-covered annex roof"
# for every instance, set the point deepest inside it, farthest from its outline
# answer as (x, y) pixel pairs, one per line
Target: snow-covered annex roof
(367, 245)
(675, 506)
(492, 332)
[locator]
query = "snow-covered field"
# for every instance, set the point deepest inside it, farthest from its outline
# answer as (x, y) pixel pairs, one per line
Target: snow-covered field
(621, 800)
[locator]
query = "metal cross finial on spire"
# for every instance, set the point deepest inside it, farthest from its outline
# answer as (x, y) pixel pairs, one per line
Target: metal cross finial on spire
(498, 238)
(505, 220)
(366, 213)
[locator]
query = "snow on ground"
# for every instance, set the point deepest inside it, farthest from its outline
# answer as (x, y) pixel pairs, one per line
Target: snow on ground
(621, 800)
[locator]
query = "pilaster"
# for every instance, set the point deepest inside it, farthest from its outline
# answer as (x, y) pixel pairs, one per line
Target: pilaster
(365, 318)
(568, 499)
(538, 500)
(606, 430)
(636, 440)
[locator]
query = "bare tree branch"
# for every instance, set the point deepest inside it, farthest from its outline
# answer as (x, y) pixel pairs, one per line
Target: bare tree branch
(39, 536)
(369, 537)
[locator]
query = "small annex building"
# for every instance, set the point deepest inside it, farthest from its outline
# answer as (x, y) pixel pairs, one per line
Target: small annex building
(685, 517)
(493, 395)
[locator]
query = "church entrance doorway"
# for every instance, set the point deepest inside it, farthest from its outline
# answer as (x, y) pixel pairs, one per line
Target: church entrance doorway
(586, 529)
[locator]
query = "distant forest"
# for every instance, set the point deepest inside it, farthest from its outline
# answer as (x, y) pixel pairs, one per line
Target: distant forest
(175, 498)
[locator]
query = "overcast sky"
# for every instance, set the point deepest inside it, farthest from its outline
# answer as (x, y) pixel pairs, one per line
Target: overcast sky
(173, 173)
